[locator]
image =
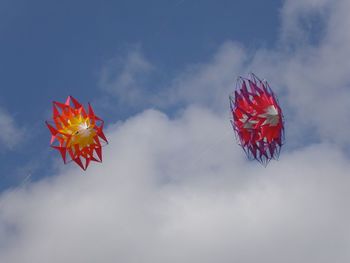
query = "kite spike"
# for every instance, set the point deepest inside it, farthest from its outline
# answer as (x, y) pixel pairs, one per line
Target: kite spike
(56, 103)
(63, 151)
(78, 161)
(97, 118)
(97, 141)
(91, 111)
(71, 154)
(95, 160)
(99, 152)
(67, 101)
(77, 149)
(55, 111)
(87, 162)
(264, 153)
(60, 105)
(259, 90)
(53, 137)
(232, 104)
(83, 112)
(253, 151)
(244, 88)
(237, 95)
(272, 148)
(91, 152)
(245, 94)
(102, 135)
(51, 128)
(254, 87)
(279, 141)
(75, 102)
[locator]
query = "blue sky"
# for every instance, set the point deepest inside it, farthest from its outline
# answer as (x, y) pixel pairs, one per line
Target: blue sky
(52, 49)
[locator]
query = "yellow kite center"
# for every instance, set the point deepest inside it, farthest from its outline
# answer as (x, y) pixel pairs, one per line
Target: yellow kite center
(81, 130)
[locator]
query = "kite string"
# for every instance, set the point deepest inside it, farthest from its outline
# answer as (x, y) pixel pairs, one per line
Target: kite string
(19, 187)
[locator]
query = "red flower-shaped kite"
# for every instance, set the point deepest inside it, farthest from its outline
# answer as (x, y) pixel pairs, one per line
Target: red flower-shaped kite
(77, 132)
(257, 119)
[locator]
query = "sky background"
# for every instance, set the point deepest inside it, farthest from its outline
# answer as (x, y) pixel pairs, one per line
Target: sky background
(174, 186)
(52, 49)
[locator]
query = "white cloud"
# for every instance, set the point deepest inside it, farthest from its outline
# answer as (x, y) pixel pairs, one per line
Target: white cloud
(123, 77)
(181, 191)
(297, 16)
(10, 134)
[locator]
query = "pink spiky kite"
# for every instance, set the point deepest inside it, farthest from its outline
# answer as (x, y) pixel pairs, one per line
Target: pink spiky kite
(257, 119)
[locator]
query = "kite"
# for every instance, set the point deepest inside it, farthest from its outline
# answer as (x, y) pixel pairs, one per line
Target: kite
(257, 119)
(77, 132)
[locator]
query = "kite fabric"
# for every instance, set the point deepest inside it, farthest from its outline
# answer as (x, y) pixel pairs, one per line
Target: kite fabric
(257, 119)
(76, 131)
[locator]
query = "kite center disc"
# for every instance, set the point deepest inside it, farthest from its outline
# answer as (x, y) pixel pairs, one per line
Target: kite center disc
(84, 135)
(81, 130)
(248, 123)
(84, 130)
(271, 115)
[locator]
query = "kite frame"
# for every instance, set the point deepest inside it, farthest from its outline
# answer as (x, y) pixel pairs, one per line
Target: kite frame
(260, 86)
